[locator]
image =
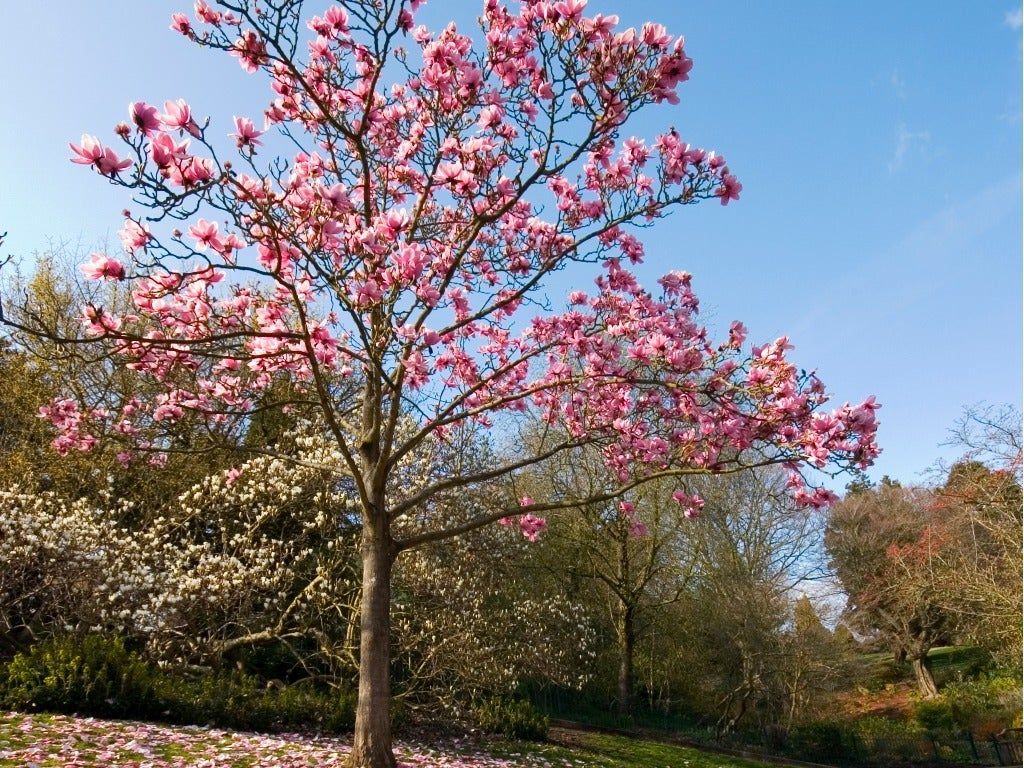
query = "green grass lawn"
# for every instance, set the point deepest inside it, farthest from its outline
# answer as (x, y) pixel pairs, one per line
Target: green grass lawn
(947, 663)
(604, 750)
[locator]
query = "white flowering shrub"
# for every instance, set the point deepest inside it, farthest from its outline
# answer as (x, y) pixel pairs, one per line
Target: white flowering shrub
(53, 555)
(267, 553)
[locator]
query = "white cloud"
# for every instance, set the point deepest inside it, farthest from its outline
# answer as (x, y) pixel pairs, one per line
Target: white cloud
(906, 141)
(899, 85)
(1014, 19)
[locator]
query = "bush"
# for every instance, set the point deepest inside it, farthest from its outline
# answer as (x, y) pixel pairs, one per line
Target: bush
(243, 702)
(890, 742)
(97, 675)
(934, 715)
(824, 741)
(515, 718)
(93, 675)
(987, 701)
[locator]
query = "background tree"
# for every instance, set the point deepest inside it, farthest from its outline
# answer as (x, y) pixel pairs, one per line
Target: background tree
(977, 570)
(36, 371)
(469, 625)
(627, 550)
(752, 549)
(815, 662)
(879, 543)
(405, 244)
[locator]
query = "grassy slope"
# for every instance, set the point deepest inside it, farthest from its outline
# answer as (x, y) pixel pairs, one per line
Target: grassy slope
(946, 663)
(608, 751)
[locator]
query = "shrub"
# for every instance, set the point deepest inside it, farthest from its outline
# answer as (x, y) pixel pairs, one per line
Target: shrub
(93, 675)
(97, 675)
(244, 702)
(823, 741)
(891, 742)
(515, 718)
(974, 703)
(934, 715)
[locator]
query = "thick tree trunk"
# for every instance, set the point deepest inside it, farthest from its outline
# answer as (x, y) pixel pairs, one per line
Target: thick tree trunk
(371, 747)
(626, 653)
(923, 674)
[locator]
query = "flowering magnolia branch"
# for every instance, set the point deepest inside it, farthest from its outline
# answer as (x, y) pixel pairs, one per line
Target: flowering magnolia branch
(466, 139)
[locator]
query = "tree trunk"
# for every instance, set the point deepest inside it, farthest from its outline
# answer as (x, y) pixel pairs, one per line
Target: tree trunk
(626, 652)
(371, 747)
(923, 674)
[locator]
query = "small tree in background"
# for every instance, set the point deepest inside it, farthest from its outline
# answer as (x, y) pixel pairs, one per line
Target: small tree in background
(977, 572)
(35, 369)
(751, 549)
(879, 542)
(630, 551)
(404, 248)
(814, 661)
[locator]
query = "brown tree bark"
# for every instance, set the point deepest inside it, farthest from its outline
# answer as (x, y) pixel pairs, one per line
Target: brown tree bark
(371, 747)
(626, 653)
(923, 674)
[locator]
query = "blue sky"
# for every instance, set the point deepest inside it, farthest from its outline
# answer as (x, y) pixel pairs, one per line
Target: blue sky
(879, 145)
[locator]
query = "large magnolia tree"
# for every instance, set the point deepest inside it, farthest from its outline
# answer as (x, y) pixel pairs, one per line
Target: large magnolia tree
(434, 183)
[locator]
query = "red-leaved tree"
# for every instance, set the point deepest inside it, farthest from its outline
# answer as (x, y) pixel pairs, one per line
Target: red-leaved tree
(435, 183)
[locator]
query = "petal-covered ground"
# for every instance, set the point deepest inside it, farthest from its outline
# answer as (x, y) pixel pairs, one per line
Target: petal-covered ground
(60, 741)
(48, 741)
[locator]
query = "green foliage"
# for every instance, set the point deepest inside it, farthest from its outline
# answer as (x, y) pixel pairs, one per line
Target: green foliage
(973, 703)
(96, 675)
(869, 741)
(934, 715)
(603, 750)
(956, 662)
(947, 663)
(884, 727)
(822, 741)
(92, 674)
(515, 718)
(233, 700)
(806, 620)
(890, 741)
(844, 637)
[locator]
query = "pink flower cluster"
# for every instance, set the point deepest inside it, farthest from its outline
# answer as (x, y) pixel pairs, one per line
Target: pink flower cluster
(66, 416)
(102, 267)
(103, 159)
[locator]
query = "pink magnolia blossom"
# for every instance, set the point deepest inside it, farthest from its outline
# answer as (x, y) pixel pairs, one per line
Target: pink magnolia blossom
(91, 152)
(181, 24)
(206, 14)
(133, 235)
(691, 504)
(730, 188)
(206, 234)
(532, 526)
(177, 115)
(250, 51)
(245, 134)
(102, 267)
(737, 334)
(145, 117)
